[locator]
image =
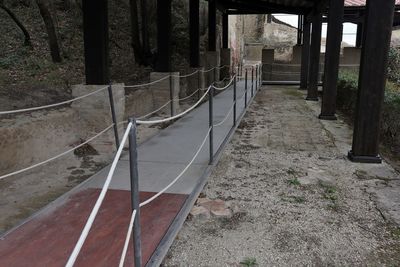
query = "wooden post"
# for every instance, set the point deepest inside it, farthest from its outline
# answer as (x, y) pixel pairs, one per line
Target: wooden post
(372, 81)
(95, 37)
(194, 31)
(299, 29)
(359, 35)
(164, 35)
(332, 58)
(315, 51)
(212, 25)
(305, 55)
(225, 31)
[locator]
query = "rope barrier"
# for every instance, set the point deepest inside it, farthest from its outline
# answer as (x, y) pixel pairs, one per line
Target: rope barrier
(184, 76)
(154, 111)
(205, 71)
(144, 203)
(127, 238)
(146, 84)
(186, 97)
(226, 117)
(52, 105)
(176, 116)
(240, 98)
(57, 156)
(226, 86)
(95, 210)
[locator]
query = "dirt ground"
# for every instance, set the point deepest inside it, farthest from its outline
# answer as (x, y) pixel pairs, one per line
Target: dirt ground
(295, 197)
(24, 194)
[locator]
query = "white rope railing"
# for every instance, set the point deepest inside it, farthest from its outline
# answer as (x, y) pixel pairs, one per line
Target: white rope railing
(127, 238)
(100, 199)
(226, 117)
(205, 71)
(52, 105)
(57, 156)
(187, 97)
(226, 86)
(186, 75)
(154, 111)
(106, 185)
(144, 203)
(147, 84)
(176, 116)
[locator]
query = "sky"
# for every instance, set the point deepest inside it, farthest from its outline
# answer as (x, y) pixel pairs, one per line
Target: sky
(349, 29)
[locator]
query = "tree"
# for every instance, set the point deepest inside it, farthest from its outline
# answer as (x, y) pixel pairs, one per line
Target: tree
(135, 34)
(145, 30)
(18, 22)
(51, 31)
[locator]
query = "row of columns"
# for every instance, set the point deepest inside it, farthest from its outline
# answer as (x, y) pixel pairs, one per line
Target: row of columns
(374, 37)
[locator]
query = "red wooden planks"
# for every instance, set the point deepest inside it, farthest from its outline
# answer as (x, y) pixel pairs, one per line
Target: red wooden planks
(48, 239)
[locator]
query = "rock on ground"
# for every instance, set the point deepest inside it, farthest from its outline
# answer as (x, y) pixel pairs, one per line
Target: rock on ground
(299, 200)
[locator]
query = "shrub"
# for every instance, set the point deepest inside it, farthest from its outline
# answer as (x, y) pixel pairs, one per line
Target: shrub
(394, 65)
(390, 123)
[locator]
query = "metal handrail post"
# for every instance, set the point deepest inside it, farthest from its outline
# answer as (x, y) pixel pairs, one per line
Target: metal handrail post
(134, 176)
(252, 81)
(211, 123)
(171, 95)
(199, 85)
(256, 80)
(245, 89)
(234, 101)
(114, 118)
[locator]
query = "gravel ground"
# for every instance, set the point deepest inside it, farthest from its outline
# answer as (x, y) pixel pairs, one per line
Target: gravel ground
(296, 198)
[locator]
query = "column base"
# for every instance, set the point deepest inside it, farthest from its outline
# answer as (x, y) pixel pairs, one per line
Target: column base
(327, 117)
(364, 159)
(309, 98)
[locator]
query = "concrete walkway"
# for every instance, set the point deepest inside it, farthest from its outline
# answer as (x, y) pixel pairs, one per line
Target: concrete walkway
(49, 236)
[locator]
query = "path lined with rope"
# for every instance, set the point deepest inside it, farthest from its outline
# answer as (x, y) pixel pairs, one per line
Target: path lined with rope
(177, 153)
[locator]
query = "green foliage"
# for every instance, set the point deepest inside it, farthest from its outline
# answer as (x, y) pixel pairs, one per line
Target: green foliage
(394, 65)
(294, 181)
(249, 262)
(390, 123)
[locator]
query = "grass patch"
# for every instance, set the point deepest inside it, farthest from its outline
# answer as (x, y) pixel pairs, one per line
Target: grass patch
(390, 126)
(330, 193)
(396, 232)
(294, 181)
(249, 262)
(294, 199)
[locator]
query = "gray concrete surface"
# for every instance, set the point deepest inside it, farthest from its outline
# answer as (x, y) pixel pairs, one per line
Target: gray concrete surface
(165, 155)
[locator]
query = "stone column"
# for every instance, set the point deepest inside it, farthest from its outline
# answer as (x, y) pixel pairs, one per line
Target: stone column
(95, 113)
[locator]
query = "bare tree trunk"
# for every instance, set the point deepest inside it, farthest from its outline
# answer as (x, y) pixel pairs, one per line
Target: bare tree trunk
(145, 30)
(19, 24)
(136, 45)
(51, 31)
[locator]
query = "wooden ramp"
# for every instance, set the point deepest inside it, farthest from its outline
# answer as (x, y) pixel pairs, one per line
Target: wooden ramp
(49, 238)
